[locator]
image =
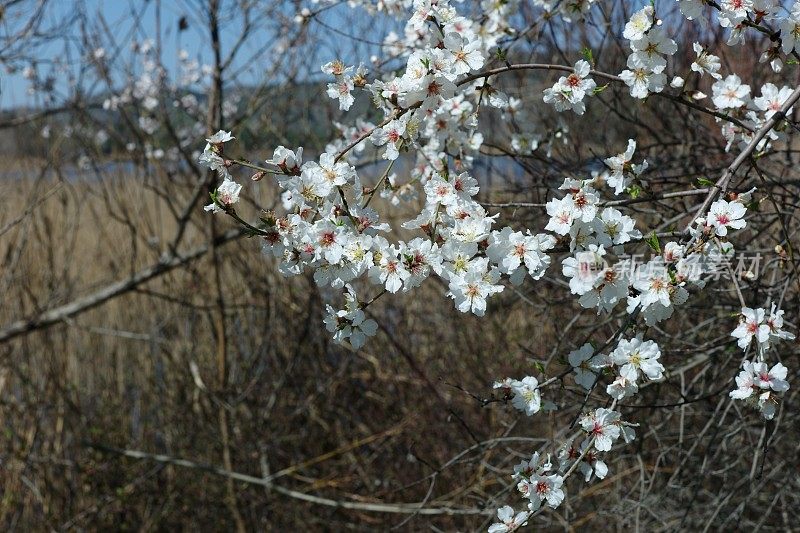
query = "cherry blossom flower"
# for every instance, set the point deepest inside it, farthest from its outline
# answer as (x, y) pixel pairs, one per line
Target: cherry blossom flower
(465, 187)
(622, 169)
(673, 251)
(705, 62)
(330, 240)
(511, 250)
(569, 91)
(226, 194)
(428, 91)
(495, 97)
(420, 257)
(358, 258)
(730, 93)
(732, 12)
(641, 78)
(651, 48)
(723, 215)
(790, 30)
(288, 161)
(343, 86)
(536, 464)
(582, 236)
(561, 211)
(613, 228)
(773, 56)
(584, 269)
(525, 143)
(610, 287)
(751, 326)
(391, 135)
(585, 365)
(218, 138)
(622, 387)
(772, 99)
(441, 191)
(352, 325)
(456, 256)
(590, 465)
(584, 199)
(341, 90)
(756, 384)
(774, 379)
(328, 174)
(471, 288)
(336, 68)
(543, 488)
(775, 323)
(635, 356)
(653, 283)
(467, 55)
(389, 270)
(639, 23)
(604, 426)
(527, 397)
(209, 158)
(755, 324)
(508, 520)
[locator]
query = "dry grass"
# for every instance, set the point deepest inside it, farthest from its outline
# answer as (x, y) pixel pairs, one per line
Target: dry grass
(121, 375)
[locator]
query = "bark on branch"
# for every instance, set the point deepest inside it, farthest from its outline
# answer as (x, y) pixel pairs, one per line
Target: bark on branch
(75, 307)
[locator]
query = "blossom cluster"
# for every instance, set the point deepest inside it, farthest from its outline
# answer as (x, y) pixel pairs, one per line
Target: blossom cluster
(429, 108)
(757, 383)
(650, 46)
(542, 484)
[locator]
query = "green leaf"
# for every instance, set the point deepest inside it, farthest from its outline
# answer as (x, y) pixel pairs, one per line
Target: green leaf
(705, 182)
(634, 191)
(601, 88)
(652, 241)
(587, 54)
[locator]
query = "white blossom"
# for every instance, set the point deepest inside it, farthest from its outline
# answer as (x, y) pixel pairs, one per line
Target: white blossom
(508, 520)
(527, 397)
(705, 62)
(636, 357)
(730, 93)
(641, 78)
(723, 215)
(604, 426)
(639, 23)
(226, 194)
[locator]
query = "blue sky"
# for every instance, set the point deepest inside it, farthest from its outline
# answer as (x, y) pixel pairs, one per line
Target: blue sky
(13, 87)
(343, 33)
(117, 15)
